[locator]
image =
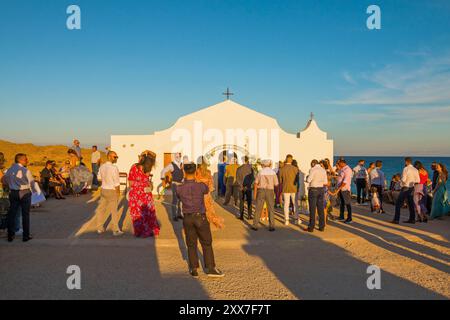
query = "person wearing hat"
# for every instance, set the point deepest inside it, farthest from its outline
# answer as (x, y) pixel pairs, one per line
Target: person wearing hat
(147, 153)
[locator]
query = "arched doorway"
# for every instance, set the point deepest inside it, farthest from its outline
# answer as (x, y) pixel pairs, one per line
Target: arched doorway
(218, 157)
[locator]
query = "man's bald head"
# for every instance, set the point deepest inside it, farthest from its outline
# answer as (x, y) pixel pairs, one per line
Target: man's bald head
(112, 156)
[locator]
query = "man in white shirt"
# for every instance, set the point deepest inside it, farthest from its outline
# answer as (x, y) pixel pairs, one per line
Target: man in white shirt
(109, 200)
(410, 177)
(265, 183)
(360, 177)
(317, 180)
(95, 163)
(21, 183)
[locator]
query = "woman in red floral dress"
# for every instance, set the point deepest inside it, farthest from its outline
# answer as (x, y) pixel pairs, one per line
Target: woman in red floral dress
(140, 198)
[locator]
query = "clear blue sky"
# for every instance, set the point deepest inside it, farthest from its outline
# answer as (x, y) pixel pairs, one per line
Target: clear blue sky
(136, 66)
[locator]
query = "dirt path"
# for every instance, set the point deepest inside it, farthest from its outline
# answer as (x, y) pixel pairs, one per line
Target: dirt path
(286, 264)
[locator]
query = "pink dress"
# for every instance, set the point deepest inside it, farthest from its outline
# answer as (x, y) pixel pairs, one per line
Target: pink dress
(142, 206)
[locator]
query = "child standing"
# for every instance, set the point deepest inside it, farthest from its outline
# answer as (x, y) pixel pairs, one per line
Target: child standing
(376, 204)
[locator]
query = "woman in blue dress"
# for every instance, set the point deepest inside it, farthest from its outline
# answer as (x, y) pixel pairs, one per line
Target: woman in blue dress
(441, 205)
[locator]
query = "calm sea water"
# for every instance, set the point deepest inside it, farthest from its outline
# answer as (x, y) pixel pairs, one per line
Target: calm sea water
(393, 165)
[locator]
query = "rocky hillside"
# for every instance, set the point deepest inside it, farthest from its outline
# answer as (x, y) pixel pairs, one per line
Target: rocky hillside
(38, 155)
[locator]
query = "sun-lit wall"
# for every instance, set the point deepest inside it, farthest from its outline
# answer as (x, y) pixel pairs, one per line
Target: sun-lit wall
(226, 123)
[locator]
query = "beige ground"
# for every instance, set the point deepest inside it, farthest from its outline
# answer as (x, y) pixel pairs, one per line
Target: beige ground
(286, 264)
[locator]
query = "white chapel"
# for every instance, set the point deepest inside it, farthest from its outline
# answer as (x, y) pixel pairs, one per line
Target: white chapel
(226, 127)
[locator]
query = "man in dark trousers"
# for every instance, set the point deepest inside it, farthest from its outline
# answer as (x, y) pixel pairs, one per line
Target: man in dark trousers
(410, 177)
(317, 180)
(343, 190)
(20, 182)
(195, 223)
(46, 175)
(244, 180)
(361, 177)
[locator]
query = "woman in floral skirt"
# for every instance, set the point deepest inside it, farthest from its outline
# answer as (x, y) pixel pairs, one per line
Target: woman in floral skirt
(140, 197)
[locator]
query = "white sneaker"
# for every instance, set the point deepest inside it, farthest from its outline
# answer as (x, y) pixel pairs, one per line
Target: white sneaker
(117, 233)
(216, 273)
(99, 231)
(20, 232)
(298, 222)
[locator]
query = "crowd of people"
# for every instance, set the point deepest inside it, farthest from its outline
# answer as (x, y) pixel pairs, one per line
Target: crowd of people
(192, 202)
(424, 196)
(20, 190)
(257, 187)
(330, 186)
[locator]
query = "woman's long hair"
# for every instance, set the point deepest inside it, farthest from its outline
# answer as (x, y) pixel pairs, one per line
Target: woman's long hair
(444, 171)
(418, 165)
(147, 163)
(325, 164)
(202, 166)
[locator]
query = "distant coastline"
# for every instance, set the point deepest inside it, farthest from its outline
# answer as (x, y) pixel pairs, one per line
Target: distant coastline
(38, 153)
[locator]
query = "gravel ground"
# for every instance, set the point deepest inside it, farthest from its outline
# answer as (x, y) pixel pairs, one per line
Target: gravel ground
(286, 264)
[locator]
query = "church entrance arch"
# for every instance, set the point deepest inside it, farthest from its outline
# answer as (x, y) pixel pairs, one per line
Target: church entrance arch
(221, 155)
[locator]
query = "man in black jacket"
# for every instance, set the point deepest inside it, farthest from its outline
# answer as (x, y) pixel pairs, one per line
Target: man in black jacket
(46, 175)
(244, 179)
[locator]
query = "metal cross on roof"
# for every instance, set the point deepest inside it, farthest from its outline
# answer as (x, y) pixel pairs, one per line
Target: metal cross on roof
(228, 93)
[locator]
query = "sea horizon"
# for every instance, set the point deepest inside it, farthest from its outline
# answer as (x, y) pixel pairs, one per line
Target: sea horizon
(394, 164)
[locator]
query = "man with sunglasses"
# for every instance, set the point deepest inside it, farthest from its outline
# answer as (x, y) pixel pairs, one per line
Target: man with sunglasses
(110, 194)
